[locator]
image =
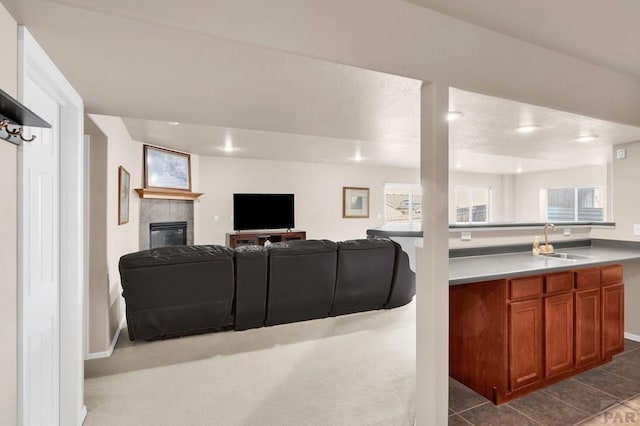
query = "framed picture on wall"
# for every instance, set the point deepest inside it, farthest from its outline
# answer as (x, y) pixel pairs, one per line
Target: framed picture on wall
(123, 195)
(166, 169)
(355, 202)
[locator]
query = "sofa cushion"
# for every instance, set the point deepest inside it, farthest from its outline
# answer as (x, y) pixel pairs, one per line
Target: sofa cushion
(251, 287)
(403, 285)
(177, 290)
(301, 280)
(365, 271)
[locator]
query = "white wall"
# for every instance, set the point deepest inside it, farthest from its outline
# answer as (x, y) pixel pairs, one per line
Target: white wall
(529, 206)
(516, 198)
(317, 189)
(99, 327)
(121, 239)
(499, 237)
(625, 185)
(8, 236)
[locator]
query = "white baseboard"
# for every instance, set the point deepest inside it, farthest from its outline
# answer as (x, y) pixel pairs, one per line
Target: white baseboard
(108, 352)
(632, 336)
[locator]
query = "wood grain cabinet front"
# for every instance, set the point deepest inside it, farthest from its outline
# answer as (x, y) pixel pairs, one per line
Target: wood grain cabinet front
(259, 238)
(588, 343)
(558, 332)
(612, 319)
(525, 343)
(510, 337)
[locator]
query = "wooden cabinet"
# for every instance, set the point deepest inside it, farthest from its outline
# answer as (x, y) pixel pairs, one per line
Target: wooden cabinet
(510, 337)
(612, 319)
(558, 332)
(588, 340)
(612, 310)
(525, 343)
(259, 238)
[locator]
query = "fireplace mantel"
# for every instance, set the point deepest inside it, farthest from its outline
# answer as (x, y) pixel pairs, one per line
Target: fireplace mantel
(167, 194)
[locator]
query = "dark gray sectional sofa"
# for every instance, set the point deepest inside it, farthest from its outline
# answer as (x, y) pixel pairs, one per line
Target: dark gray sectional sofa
(174, 291)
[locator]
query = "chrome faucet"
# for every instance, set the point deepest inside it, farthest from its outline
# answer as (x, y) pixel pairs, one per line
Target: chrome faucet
(546, 236)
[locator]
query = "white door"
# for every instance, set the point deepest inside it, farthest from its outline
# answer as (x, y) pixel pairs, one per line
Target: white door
(39, 179)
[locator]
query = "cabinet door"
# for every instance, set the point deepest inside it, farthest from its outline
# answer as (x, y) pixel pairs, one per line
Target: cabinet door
(525, 343)
(558, 315)
(244, 240)
(613, 319)
(293, 236)
(588, 343)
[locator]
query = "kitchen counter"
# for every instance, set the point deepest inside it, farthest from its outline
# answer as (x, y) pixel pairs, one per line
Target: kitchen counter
(414, 230)
(463, 270)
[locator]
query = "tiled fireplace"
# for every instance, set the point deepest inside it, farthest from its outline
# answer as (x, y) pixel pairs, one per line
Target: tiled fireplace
(172, 215)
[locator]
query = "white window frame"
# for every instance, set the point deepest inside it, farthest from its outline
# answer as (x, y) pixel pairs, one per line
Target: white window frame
(575, 199)
(469, 189)
(413, 189)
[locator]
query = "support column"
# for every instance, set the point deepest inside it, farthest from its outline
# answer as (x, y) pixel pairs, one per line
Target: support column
(432, 299)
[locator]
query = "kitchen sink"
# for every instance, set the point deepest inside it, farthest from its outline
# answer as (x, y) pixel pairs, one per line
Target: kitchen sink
(565, 256)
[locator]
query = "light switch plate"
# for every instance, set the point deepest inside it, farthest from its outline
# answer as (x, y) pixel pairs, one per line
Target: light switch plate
(621, 154)
(636, 229)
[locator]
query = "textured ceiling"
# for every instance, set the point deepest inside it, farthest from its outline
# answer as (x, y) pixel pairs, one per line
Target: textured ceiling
(151, 62)
(606, 33)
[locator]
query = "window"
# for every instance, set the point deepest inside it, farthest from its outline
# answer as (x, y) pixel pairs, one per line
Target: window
(575, 204)
(472, 204)
(402, 203)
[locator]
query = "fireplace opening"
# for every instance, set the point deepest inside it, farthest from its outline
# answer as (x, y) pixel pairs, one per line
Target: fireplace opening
(163, 234)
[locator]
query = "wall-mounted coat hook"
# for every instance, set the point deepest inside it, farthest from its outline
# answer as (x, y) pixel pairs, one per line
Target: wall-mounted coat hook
(4, 125)
(13, 113)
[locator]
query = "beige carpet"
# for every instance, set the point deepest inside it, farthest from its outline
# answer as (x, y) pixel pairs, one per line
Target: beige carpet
(351, 370)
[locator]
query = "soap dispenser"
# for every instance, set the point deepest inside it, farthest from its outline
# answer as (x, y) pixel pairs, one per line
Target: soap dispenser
(536, 246)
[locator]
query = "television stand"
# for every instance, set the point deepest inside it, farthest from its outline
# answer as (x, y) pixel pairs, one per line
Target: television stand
(258, 238)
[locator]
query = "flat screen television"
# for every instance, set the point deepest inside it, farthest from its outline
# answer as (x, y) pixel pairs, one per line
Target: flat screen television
(263, 211)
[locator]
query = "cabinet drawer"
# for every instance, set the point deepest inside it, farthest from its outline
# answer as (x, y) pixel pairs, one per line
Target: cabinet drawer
(525, 287)
(588, 278)
(612, 275)
(561, 282)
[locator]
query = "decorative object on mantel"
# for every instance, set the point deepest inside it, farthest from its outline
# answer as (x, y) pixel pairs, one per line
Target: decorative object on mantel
(355, 202)
(167, 175)
(166, 169)
(123, 195)
(13, 113)
(167, 194)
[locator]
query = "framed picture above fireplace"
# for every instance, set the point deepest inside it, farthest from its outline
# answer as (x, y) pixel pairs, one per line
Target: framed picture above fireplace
(123, 195)
(166, 169)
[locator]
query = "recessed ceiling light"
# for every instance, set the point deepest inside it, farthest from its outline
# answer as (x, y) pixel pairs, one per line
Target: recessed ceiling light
(527, 128)
(586, 138)
(357, 157)
(173, 123)
(228, 148)
(454, 115)
(519, 170)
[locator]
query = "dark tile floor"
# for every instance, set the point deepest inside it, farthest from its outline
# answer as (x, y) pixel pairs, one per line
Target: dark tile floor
(608, 395)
